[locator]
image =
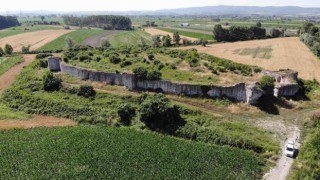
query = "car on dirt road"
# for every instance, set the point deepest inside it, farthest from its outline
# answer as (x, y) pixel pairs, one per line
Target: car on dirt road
(290, 149)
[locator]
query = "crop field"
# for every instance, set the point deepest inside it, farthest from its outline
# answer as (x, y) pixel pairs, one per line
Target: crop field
(132, 38)
(287, 53)
(98, 152)
(36, 39)
(187, 33)
(24, 29)
(7, 62)
(78, 36)
(154, 31)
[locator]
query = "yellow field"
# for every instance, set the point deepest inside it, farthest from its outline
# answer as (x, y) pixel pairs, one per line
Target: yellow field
(286, 53)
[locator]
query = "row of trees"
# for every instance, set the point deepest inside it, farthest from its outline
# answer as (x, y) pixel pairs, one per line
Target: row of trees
(310, 35)
(8, 21)
(238, 33)
(102, 21)
(8, 50)
(167, 40)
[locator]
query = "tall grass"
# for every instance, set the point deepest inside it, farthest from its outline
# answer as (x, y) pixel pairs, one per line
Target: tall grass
(8, 62)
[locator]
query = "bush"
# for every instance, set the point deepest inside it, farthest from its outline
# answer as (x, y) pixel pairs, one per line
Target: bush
(25, 49)
(114, 59)
(126, 63)
(8, 49)
(43, 55)
(86, 91)
(126, 113)
(267, 83)
(70, 42)
(186, 42)
(158, 113)
(150, 57)
(51, 82)
(140, 73)
(1, 52)
(43, 63)
(154, 75)
(105, 43)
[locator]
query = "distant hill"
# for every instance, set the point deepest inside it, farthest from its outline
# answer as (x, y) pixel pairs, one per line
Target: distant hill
(207, 10)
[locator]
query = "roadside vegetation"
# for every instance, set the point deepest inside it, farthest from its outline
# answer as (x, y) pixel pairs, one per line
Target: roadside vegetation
(7, 62)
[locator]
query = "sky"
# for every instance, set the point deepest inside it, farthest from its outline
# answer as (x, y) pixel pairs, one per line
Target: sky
(127, 5)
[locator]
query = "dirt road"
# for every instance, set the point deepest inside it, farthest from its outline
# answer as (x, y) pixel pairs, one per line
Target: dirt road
(95, 41)
(287, 53)
(36, 39)
(9, 77)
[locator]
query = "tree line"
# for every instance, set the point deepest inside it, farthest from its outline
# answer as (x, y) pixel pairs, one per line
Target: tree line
(310, 35)
(108, 22)
(8, 21)
(238, 33)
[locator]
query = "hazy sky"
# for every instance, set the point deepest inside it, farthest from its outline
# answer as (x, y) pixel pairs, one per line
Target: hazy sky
(125, 5)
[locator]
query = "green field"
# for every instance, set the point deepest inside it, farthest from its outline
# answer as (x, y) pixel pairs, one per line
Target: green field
(78, 36)
(7, 62)
(93, 152)
(189, 34)
(132, 38)
(48, 19)
(23, 29)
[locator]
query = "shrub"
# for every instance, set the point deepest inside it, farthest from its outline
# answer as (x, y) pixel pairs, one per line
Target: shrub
(150, 57)
(51, 82)
(158, 113)
(8, 49)
(105, 43)
(126, 113)
(114, 59)
(126, 63)
(186, 42)
(43, 55)
(43, 63)
(25, 49)
(267, 83)
(140, 72)
(86, 91)
(154, 75)
(1, 52)
(70, 42)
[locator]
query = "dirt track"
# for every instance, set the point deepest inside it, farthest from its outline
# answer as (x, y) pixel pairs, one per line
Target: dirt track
(95, 41)
(9, 77)
(154, 31)
(36, 39)
(287, 53)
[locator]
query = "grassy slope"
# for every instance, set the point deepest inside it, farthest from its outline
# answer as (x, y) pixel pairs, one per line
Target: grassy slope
(189, 34)
(7, 113)
(78, 36)
(97, 152)
(7, 62)
(129, 38)
(21, 29)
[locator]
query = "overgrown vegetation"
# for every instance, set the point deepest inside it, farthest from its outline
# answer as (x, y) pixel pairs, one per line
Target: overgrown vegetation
(7, 62)
(310, 35)
(98, 152)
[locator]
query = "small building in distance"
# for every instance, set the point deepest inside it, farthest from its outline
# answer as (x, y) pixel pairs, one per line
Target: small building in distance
(184, 24)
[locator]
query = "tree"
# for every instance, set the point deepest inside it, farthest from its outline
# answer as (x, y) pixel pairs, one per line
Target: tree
(51, 82)
(154, 75)
(306, 27)
(86, 91)
(140, 73)
(42, 18)
(275, 33)
(313, 30)
(176, 38)
(259, 24)
(25, 49)
(70, 42)
(156, 41)
(105, 43)
(166, 41)
(126, 113)
(159, 114)
(220, 34)
(8, 49)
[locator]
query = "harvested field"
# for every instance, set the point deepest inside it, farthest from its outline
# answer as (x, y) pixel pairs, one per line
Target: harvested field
(36, 121)
(287, 53)
(154, 31)
(95, 41)
(35, 39)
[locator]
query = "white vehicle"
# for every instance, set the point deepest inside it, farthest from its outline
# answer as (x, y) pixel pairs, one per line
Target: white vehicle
(290, 149)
